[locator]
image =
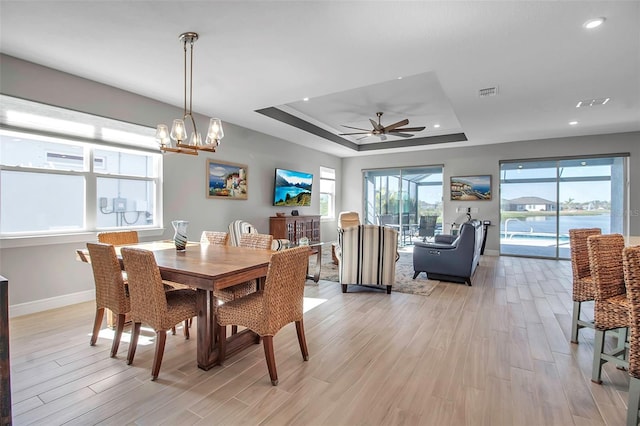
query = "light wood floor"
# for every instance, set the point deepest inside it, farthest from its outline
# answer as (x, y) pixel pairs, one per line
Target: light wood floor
(497, 353)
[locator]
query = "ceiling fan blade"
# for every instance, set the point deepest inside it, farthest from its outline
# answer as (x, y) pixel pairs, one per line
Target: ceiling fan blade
(395, 125)
(409, 129)
(354, 133)
(376, 125)
(404, 135)
(356, 128)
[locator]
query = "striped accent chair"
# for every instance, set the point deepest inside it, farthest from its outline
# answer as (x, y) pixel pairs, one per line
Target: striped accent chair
(368, 256)
(239, 227)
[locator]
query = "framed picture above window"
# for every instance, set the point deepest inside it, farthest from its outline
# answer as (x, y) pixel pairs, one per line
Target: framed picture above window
(227, 180)
(471, 188)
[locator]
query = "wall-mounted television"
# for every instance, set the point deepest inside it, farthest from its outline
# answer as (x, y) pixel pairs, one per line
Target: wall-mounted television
(292, 188)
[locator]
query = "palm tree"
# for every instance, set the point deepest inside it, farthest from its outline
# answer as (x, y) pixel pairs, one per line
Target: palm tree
(568, 205)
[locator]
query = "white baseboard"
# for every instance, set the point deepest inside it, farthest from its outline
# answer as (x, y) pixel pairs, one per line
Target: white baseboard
(491, 253)
(50, 303)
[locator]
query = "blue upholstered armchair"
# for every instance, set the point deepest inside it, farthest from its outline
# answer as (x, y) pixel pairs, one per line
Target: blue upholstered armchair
(450, 260)
(368, 255)
(239, 227)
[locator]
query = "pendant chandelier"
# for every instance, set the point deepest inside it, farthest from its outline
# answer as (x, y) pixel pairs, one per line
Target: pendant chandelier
(179, 140)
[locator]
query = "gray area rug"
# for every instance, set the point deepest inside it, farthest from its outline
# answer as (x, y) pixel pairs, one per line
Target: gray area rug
(404, 273)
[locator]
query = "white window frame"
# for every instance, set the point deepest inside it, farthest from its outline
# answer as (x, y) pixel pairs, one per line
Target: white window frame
(143, 143)
(329, 174)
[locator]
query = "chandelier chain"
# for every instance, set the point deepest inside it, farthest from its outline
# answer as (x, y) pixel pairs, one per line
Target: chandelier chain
(179, 132)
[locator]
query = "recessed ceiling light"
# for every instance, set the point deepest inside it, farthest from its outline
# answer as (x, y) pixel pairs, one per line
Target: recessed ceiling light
(437, 126)
(520, 166)
(583, 163)
(305, 99)
(400, 78)
(593, 23)
(573, 123)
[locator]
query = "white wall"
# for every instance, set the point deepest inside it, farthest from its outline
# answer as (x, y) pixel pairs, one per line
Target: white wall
(483, 160)
(44, 276)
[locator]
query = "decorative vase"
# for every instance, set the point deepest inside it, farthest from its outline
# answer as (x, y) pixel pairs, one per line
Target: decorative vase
(180, 236)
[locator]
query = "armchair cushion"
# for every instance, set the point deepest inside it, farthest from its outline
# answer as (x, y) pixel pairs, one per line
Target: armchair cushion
(346, 219)
(367, 256)
(444, 239)
(455, 261)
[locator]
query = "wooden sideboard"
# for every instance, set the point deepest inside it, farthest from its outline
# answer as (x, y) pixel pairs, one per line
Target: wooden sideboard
(295, 227)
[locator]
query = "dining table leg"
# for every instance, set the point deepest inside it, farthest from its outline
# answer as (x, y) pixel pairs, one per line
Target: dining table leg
(207, 348)
(205, 341)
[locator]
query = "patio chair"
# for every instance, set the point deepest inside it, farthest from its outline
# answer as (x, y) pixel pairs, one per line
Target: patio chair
(427, 227)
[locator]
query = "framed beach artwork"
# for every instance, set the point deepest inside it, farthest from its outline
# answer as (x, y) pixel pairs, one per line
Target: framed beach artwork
(471, 188)
(227, 180)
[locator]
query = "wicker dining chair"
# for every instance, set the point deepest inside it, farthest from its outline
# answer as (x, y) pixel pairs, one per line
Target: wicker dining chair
(631, 265)
(215, 238)
(582, 282)
(118, 237)
(268, 310)
(250, 240)
(131, 237)
(111, 291)
(152, 305)
(612, 307)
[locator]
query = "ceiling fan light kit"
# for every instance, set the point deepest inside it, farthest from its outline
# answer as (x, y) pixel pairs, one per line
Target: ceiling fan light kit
(394, 129)
(179, 132)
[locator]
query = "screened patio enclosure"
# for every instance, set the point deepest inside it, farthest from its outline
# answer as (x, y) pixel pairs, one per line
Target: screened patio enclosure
(408, 199)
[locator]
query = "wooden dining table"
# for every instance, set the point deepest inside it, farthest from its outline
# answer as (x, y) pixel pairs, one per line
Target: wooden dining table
(207, 268)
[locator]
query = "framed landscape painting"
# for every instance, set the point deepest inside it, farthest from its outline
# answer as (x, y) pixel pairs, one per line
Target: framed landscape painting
(471, 188)
(227, 180)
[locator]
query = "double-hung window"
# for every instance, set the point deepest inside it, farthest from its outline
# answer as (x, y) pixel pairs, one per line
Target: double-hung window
(327, 192)
(64, 172)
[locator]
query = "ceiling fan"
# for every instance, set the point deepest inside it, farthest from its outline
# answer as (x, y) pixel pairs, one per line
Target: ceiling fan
(394, 129)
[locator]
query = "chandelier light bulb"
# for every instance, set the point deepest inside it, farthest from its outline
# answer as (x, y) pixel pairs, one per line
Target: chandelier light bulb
(162, 135)
(196, 139)
(178, 131)
(215, 132)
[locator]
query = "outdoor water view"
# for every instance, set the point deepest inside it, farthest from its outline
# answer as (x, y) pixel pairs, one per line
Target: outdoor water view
(542, 200)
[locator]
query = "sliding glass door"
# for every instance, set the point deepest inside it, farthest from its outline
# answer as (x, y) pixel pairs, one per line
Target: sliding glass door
(403, 198)
(542, 199)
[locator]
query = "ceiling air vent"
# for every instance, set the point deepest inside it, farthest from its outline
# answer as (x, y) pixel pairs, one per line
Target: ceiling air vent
(592, 102)
(488, 91)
